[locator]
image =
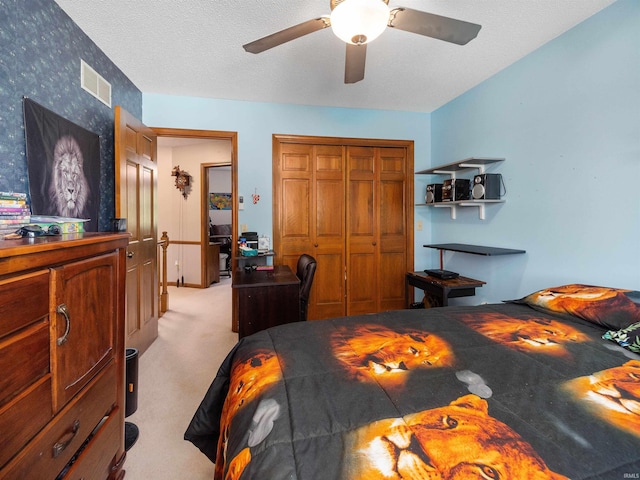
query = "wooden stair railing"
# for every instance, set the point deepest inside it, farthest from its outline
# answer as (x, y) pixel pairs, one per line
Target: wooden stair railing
(162, 277)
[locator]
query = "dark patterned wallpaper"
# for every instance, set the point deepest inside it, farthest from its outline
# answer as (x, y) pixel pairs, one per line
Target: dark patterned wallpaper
(40, 52)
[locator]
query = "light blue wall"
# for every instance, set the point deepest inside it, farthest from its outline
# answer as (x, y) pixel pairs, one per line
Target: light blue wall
(257, 122)
(567, 119)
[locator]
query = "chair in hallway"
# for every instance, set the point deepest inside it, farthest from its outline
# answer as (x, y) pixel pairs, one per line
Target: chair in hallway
(222, 235)
(305, 271)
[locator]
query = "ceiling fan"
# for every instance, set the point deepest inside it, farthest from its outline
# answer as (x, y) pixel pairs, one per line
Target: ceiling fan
(358, 22)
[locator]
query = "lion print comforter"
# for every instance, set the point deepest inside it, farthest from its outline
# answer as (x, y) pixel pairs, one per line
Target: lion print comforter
(490, 392)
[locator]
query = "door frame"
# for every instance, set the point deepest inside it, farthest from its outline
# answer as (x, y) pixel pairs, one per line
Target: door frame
(205, 189)
(204, 204)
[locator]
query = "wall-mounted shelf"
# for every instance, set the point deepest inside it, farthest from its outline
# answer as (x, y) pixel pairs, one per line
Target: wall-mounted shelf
(475, 249)
(472, 249)
(452, 169)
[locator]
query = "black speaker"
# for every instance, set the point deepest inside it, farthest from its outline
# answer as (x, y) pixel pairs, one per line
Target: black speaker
(486, 186)
(434, 193)
(456, 189)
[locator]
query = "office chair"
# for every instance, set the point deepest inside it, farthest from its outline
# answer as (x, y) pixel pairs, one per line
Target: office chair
(305, 271)
(222, 235)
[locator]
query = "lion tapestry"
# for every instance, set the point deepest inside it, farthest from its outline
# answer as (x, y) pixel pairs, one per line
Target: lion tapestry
(64, 166)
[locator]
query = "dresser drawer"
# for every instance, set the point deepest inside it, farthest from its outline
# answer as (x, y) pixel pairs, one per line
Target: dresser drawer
(24, 358)
(23, 417)
(67, 431)
(23, 300)
(97, 457)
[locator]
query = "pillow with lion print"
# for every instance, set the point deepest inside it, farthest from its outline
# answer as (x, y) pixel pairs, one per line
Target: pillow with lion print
(612, 308)
(628, 338)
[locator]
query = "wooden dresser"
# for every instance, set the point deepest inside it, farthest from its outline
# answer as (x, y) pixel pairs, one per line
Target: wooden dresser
(62, 357)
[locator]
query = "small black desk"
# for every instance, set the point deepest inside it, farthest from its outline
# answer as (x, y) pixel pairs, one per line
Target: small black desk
(265, 298)
(439, 290)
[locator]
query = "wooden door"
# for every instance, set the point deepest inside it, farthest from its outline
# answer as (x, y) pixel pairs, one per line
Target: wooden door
(136, 193)
(362, 226)
(309, 210)
(327, 228)
(394, 232)
(377, 228)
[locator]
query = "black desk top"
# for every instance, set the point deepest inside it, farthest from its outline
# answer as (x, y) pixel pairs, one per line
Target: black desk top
(280, 275)
(452, 283)
(474, 249)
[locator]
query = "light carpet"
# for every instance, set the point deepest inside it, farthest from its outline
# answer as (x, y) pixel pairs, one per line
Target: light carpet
(194, 336)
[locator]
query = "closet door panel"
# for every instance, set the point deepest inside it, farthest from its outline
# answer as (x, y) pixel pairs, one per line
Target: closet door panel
(393, 228)
(330, 210)
(392, 219)
(362, 281)
(296, 158)
(296, 209)
(361, 219)
(328, 289)
(392, 270)
(293, 207)
(361, 248)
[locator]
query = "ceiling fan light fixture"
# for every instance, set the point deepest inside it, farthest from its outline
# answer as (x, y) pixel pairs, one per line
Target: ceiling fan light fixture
(359, 21)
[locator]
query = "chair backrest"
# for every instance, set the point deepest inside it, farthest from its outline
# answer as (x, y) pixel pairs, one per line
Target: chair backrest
(305, 271)
(225, 240)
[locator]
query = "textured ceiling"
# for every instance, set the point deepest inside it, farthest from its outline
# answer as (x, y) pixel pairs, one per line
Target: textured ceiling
(194, 48)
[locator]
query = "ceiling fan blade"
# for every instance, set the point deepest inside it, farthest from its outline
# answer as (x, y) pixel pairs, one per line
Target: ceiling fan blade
(286, 35)
(354, 63)
(434, 26)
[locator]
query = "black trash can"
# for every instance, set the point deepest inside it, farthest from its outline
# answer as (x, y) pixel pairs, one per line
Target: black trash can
(131, 398)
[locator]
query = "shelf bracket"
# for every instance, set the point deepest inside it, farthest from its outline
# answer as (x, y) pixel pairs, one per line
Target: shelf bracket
(451, 207)
(480, 206)
(451, 173)
(480, 168)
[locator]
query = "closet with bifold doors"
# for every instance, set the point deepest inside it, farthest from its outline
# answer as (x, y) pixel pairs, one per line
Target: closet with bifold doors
(348, 203)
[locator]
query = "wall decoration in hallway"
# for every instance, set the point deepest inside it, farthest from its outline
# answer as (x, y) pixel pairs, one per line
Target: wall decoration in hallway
(183, 180)
(220, 201)
(63, 162)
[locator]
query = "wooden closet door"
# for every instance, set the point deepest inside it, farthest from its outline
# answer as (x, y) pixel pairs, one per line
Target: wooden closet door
(394, 230)
(292, 204)
(362, 226)
(309, 212)
(349, 203)
(377, 232)
(328, 230)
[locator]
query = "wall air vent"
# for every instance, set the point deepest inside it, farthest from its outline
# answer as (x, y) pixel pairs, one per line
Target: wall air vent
(93, 83)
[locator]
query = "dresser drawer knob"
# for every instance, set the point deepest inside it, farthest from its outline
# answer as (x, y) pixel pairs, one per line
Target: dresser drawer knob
(64, 311)
(66, 439)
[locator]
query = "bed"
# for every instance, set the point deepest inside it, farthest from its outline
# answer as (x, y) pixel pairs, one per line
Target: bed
(526, 389)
